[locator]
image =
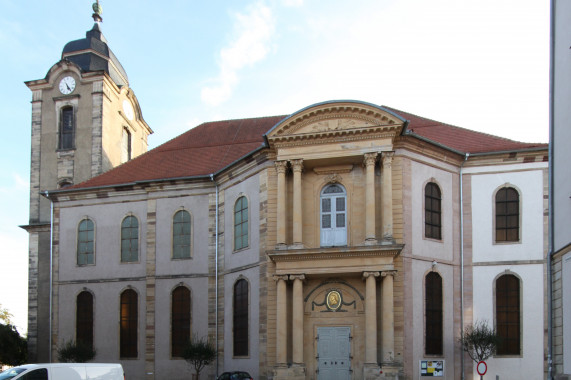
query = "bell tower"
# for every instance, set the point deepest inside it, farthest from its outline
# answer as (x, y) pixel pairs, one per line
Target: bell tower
(85, 120)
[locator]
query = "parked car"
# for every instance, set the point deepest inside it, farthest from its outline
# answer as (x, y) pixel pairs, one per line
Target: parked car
(65, 371)
(235, 375)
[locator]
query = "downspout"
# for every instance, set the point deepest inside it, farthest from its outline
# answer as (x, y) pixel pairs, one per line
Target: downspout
(47, 195)
(216, 272)
(550, 153)
(462, 259)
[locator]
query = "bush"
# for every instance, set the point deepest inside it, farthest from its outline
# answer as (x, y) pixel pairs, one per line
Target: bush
(75, 352)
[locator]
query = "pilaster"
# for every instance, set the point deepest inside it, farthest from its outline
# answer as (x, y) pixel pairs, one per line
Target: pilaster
(387, 197)
(297, 167)
(281, 167)
(369, 162)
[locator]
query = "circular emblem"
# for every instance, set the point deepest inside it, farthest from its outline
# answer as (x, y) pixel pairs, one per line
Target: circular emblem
(333, 300)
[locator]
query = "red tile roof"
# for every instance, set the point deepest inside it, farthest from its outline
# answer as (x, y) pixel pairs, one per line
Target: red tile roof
(210, 147)
(461, 139)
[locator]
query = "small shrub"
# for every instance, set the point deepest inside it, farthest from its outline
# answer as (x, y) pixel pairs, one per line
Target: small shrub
(75, 352)
(480, 341)
(199, 353)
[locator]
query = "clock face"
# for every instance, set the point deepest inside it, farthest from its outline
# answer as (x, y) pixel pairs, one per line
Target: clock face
(67, 85)
(128, 109)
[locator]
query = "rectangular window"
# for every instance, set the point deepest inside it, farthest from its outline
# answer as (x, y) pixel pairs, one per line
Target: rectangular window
(67, 128)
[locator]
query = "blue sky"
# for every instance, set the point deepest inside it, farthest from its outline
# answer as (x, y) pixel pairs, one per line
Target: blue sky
(480, 65)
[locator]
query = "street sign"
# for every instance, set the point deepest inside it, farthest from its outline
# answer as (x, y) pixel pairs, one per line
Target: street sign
(482, 368)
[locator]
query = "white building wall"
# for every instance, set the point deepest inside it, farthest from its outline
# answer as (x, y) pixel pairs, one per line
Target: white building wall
(523, 258)
(530, 364)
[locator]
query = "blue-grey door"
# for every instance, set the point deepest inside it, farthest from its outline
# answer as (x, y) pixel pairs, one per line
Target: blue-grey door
(333, 350)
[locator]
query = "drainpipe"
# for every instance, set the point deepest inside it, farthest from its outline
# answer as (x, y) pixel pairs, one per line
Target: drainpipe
(47, 195)
(216, 272)
(550, 153)
(462, 259)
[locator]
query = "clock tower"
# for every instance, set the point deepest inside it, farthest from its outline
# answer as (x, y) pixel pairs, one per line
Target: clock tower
(85, 120)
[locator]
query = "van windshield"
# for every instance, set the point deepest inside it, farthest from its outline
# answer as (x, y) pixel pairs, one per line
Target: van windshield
(11, 372)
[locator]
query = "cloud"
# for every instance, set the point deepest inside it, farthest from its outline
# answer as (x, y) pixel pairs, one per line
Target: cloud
(292, 3)
(254, 31)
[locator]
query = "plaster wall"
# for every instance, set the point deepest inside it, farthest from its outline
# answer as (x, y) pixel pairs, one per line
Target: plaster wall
(167, 367)
(107, 219)
(530, 364)
(251, 362)
(421, 246)
(197, 206)
(561, 130)
(106, 309)
(530, 186)
(250, 188)
(419, 271)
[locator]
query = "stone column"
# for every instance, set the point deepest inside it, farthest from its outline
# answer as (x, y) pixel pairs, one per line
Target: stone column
(297, 167)
(370, 160)
(387, 198)
(281, 216)
(281, 321)
(370, 317)
(387, 321)
(297, 311)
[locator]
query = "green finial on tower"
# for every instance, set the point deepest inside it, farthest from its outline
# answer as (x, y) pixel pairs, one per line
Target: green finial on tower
(97, 10)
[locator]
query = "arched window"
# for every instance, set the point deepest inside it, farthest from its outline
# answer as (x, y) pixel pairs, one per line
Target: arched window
(241, 223)
(433, 314)
(432, 211)
(240, 318)
(333, 216)
(181, 235)
(130, 239)
(84, 318)
(129, 321)
(508, 314)
(507, 215)
(180, 320)
(86, 242)
(66, 128)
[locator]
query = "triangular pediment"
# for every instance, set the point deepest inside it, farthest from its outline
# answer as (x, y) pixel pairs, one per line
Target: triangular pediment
(336, 120)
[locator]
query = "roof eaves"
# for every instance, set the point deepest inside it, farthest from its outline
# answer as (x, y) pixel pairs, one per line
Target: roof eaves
(412, 134)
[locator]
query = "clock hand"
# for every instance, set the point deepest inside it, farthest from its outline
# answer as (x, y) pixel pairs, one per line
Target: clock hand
(66, 85)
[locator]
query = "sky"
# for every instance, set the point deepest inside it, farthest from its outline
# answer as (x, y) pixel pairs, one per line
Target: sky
(479, 65)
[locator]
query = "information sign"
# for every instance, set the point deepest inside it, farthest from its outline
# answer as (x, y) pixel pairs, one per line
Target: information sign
(432, 368)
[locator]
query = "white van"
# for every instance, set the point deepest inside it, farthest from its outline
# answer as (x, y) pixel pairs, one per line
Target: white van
(65, 371)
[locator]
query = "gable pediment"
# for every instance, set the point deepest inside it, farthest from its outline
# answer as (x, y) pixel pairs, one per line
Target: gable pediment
(344, 120)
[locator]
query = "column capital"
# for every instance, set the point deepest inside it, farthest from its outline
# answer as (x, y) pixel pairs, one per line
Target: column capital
(387, 158)
(369, 274)
(281, 166)
(297, 277)
(278, 277)
(370, 158)
(386, 273)
(297, 165)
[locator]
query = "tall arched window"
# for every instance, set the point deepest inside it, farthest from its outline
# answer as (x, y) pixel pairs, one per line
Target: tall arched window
(180, 320)
(508, 314)
(66, 128)
(130, 239)
(433, 314)
(432, 211)
(241, 223)
(86, 242)
(333, 216)
(240, 318)
(84, 318)
(129, 320)
(181, 235)
(507, 215)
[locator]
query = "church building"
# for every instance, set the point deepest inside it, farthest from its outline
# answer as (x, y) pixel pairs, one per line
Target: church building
(345, 240)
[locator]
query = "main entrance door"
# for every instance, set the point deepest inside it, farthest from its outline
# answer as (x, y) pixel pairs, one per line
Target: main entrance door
(333, 349)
